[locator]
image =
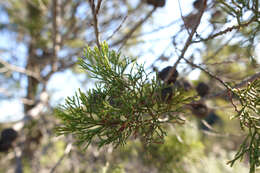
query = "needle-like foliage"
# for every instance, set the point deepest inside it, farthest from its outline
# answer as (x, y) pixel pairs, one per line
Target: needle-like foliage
(249, 117)
(126, 101)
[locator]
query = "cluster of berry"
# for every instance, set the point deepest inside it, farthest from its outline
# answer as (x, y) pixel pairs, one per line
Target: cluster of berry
(169, 76)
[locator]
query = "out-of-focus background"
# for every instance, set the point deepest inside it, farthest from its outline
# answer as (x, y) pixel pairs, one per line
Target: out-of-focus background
(40, 41)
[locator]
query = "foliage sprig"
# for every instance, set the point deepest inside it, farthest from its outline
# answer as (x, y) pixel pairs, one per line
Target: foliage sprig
(249, 117)
(126, 101)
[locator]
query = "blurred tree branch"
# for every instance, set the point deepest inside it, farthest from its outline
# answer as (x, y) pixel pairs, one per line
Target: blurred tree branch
(14, 68)
(56, 23)
(229, 29)
(95, 10)
(55, 32)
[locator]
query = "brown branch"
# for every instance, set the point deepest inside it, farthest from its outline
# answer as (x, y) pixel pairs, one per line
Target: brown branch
(229, 29)
(231, 100)
(157, 29)
(228, 89)
(207, 72)
(188, 41)
(21, 70)
(95, 19)
(98, 6)
(133, 29)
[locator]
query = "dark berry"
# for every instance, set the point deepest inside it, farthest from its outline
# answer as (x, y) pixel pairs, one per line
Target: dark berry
(166, 94)
(9, 134)
(156, 3)
(164, 73)
(202, 89)
(199, 110)
(211, 119)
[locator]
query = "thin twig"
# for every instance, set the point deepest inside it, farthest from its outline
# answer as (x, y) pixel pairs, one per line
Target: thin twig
(228, 88)
(207, 72)
(157, 29)
(137, 25)
(95, 19)
(229, 29)
(117, 29)
(66, 152)
(188, 41)
(183, 17)
(239, 85)
(231, 100)
(219, 49)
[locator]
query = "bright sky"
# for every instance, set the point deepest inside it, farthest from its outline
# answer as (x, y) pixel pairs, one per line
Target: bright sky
(68, 84)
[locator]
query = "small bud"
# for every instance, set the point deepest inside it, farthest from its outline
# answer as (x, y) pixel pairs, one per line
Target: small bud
(202, 89)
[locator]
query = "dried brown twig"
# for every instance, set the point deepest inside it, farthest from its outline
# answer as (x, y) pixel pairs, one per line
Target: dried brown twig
(228, 88)
(207, 72)
(117, 29)
(133, 29)
(157, 29)
(239, 85)
(95, 10)
(189, 40)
